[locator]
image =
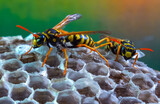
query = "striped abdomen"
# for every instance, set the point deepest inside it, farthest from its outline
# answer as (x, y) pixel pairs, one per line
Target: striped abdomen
(80, 39)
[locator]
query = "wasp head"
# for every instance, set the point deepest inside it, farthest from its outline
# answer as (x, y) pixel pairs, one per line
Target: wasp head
(38, 40)
(128, 49)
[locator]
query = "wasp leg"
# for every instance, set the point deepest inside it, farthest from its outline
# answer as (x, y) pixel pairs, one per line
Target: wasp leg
(100, 41)
(29, 50)
(84, 45)
(67, 20)
(102, 45)
(65, 53)
(50, 49)
(135, 61)
(118, 51)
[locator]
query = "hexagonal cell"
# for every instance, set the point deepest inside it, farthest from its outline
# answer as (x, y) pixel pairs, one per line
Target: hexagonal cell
(108, 98)
(5, 49)
(6, 100)
(12, 64)
(75, 64)
(87, 87)
(130, 100)
(7, 56)
(2, 43)
(3, 89)
(143, 81)
(96, 68)
(20, 92)
(30, 57)
(68, 97)
(1, 74)
(74, 75)
(43, 96)
(54, 72)
(17, 77)
(126, 90)
(89, 100)
(105, 83)
(115, 65)
(157, 90)
(33, 67)
(148, 97)
(18, 41)
(52, 61)
(62, 85)
(37, 81)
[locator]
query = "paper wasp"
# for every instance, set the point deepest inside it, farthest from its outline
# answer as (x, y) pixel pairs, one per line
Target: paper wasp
(56, 37)
(122, 47)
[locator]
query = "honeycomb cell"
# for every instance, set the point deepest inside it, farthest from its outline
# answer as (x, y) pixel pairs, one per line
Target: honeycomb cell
(68, 97)
(74, 75)
(105, 83)
(96, 68)
(10, 55)
(27, 58)
(75, 64)
(90, 100)
(1, 74)
(62, 85)
(5, 49)
(52, 61)
(37, 81)
(108, 98)
(157, 90)
(17, 77)
(33, 67)
(87, 87)
(43, 96)
(143, 81)
(20, 92)
(3, 89)
(126, 90)
(12, 64)
(130, 100)
(2, 43)
(148, 97)
(54, 72)
(6, 100)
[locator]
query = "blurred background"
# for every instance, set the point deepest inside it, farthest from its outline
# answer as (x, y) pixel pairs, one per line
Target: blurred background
(136, 20)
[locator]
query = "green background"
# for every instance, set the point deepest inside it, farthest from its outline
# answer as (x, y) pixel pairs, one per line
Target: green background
(137, 20)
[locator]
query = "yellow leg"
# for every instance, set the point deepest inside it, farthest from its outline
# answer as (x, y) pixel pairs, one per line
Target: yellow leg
(118, 51)
(100, 41)
(92, 49)
(29, 50)
(102, 45)
(62, 31)
(65, 53)
(135, 60)
(46, 56)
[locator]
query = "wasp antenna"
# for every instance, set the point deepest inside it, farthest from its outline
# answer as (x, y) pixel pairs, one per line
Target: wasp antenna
(148, 49)
(35, 35)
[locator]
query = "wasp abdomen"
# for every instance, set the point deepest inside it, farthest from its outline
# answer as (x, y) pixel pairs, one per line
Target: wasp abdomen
(80, 39)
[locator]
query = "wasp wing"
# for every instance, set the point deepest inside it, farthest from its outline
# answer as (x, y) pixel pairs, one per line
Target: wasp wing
(140, 54)
(83, 32)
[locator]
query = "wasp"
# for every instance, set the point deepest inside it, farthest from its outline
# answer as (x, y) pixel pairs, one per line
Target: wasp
(56, 37)
(123, 47)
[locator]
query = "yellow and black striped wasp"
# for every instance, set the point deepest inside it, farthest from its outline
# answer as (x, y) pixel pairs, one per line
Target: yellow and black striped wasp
(56, 37)
(122, 47)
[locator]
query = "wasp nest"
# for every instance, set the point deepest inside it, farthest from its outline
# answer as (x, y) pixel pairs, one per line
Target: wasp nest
(88, 79)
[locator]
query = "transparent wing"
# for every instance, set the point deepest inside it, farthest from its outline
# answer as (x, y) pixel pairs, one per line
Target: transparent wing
(140, 54)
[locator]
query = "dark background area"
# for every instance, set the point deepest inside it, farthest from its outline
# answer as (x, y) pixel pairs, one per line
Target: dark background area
(136, 20)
